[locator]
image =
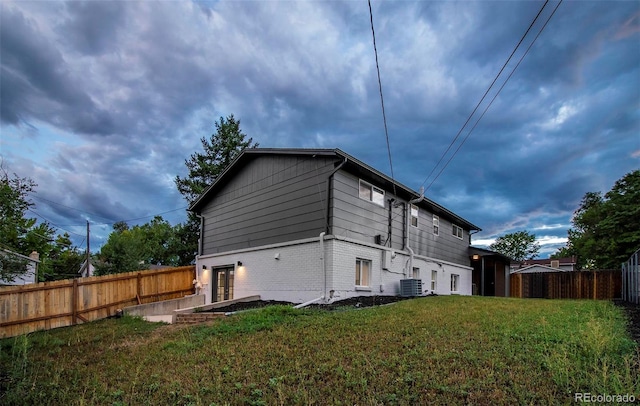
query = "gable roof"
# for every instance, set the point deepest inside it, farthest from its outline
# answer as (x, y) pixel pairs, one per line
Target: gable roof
(538, 269)
(351, 164)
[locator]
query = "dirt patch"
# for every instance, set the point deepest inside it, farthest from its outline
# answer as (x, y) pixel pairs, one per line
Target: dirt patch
(633, 315)
(353, 302)
(358, 302)
(256, 304)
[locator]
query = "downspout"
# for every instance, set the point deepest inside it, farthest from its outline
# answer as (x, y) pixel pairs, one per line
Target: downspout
(326, 213)
(197, 282)
(324, 271)
(406, 235)
(323, 264)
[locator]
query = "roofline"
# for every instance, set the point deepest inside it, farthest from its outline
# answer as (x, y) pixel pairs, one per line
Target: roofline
(489, 252)
(521, 270)
(325, 152)
(20, 255)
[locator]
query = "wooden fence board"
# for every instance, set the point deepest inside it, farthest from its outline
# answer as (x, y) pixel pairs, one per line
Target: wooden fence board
(46, 305)
(600, 284)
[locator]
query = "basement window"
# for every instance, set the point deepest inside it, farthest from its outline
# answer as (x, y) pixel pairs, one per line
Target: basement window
(371, 193)
(455, 283)
(434, 280)
(363, 271)
(416, 273)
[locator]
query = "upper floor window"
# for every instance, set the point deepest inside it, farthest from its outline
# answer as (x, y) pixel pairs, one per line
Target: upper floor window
(414, 215)
(371, 193)
(436, 225)
(457, 231)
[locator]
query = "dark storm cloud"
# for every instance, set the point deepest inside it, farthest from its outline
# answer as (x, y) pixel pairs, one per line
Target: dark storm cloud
(39, 84)
(92, 26)
(152, 78)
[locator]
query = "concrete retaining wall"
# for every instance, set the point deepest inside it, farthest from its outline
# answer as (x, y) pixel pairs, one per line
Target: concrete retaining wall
(165, 306)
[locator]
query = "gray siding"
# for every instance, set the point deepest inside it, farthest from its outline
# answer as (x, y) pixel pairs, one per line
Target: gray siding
(360, 219)
(271, 199)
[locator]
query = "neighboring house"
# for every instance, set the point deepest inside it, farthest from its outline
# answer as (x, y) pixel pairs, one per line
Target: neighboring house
(317, 224)
(30, 274)
(545, 265)
(85, 272)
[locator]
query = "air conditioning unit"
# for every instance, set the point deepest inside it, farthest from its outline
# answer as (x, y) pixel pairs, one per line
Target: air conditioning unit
(410, 287)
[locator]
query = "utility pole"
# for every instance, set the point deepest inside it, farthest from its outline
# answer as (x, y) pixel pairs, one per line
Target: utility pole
(88, 251)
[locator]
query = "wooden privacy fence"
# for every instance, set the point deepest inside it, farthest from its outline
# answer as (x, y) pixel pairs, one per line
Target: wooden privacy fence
(601, 284)
(631, 279)
(43, 306)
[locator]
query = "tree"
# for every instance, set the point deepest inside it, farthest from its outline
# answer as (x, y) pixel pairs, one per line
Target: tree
(605, 228)
(131, 249)
(222, 148)
(518, 246)
(59, 259)
(204, 168)
(13, 223)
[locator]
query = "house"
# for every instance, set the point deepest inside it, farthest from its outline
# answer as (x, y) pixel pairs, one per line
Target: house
(85, 272)
(545, 265)
(30, 274)
(304, 225)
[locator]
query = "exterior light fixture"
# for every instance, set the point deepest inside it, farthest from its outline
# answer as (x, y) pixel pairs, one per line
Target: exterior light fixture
(476, 257)
(204, 267)
(239, 263)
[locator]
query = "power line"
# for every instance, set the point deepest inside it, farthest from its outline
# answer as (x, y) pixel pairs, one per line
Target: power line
(384, 116)
(51, 223)
(483, 96)
(111, 222)
(496, 95)
(68, 207)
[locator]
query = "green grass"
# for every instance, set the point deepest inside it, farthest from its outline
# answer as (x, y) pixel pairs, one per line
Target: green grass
(436, 350)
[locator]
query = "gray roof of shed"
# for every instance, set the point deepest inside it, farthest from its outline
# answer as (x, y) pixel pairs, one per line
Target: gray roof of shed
(352, 165)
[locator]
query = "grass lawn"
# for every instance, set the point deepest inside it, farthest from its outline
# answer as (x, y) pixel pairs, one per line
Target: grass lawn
(435, 350)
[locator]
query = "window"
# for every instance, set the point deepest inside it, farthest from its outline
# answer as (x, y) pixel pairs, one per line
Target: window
(457, 231)
(363, 268)
(434, 280)
(455, 282)
(416, 273)
(371, 193)
(414, 215)
(436, 225)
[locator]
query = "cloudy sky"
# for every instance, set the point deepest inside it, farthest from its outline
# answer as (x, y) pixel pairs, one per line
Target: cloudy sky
(102, 101)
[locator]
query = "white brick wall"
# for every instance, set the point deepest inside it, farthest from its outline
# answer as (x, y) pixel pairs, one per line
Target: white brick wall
(297, 276)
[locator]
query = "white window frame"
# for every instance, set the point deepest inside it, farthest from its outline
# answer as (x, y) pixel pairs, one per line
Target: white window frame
(436, 225)
(434, 280)
(363, 279)
(415, 273)
(457, 231)
(455, 283)
(375, 195)
(414, 211)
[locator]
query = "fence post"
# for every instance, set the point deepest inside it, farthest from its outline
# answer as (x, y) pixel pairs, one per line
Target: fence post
(139, 287)
(74, 302)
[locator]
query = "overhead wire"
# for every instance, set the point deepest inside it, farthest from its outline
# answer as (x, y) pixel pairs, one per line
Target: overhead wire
(494, 97)
(484, 95)
(384, 116)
